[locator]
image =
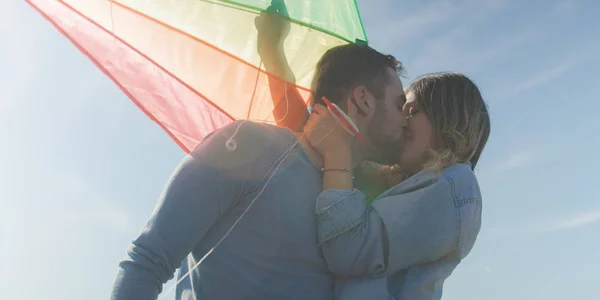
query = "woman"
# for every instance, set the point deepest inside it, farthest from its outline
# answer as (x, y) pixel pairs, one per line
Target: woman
(411, 238)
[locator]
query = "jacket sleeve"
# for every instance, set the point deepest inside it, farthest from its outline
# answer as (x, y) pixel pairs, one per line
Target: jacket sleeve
(395, 232)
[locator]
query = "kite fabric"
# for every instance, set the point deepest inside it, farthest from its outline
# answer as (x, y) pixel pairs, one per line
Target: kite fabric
(192, 65)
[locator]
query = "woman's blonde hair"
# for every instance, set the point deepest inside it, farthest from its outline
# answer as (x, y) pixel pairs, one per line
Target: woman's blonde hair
(460, 121)
(459, 116)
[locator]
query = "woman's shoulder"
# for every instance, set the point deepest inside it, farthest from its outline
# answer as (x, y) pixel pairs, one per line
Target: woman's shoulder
(467, 199)
(462, 183)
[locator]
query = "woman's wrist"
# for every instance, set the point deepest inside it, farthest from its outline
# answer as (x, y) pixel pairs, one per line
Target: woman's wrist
(337, 160)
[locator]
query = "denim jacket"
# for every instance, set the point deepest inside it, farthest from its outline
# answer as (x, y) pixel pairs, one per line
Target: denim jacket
(407, 242)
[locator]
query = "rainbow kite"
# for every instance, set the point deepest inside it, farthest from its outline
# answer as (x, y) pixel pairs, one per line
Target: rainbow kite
(192, 65)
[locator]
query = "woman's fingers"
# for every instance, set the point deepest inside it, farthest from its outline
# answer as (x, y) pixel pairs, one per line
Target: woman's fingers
(320, 109)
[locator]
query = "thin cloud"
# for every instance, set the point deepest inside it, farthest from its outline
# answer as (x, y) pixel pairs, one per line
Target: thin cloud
(454, 51)
(100, 214)
(463, 48)
(68, 203)
(544, 76)
(515, 161)
(84, 205)
(17, 54)
(519, 160)
(401, 25)
(544, 225)
(553, 73)
(576, 221)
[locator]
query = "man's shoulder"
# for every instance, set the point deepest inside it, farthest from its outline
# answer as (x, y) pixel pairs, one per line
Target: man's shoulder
(247, 140)
(253, 135)
(259, 128)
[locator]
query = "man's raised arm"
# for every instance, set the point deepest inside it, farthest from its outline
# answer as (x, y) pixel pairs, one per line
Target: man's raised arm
(289, 107)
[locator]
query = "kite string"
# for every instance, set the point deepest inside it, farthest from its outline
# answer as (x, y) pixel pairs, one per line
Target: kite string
(285, 93)
(231, 144)
(112, 22)
(112, 51)
(281, 159)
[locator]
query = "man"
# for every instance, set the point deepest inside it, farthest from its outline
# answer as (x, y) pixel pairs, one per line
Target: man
(270, 178)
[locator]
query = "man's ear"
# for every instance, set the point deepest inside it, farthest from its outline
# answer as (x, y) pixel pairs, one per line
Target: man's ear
(364, 101)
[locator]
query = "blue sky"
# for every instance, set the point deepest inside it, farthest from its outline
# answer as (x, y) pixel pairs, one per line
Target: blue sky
(81, 167)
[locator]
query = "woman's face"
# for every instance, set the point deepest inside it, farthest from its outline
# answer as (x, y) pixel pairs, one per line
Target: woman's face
(418, 135)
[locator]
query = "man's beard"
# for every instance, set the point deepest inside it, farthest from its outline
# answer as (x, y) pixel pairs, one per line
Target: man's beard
(387, 147)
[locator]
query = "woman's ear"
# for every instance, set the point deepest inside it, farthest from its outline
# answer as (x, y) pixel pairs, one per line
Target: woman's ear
(364, 101)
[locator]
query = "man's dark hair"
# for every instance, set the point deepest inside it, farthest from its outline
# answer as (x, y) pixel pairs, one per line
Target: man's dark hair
(343, 68)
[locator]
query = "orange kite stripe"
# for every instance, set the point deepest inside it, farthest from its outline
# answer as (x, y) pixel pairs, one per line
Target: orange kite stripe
(144, 70)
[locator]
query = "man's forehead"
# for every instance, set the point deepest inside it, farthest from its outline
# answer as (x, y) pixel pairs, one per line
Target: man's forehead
(392, 76)
(402, 92)
(396, 85)
(400, 83)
